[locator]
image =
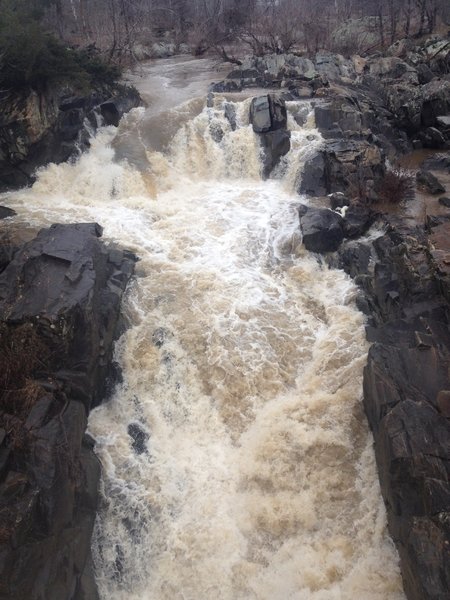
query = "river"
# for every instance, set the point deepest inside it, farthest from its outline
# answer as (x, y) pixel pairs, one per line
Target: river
(237, 462)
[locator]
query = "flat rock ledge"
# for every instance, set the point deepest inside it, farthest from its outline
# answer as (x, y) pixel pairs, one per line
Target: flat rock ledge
(405, 280)
(60, 298)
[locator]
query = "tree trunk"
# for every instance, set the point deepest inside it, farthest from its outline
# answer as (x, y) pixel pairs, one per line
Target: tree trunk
(381, 24)
(408, 18)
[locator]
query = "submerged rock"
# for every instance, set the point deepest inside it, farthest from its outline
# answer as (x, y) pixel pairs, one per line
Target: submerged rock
(139, 437)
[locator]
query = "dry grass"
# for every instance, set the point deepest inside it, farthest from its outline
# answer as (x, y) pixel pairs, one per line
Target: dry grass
(22, 354)
(398, 185)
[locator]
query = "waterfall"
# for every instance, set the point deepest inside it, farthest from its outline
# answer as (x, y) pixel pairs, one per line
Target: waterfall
(237, 462)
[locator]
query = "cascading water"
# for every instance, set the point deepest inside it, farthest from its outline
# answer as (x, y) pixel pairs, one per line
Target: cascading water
(237, 463)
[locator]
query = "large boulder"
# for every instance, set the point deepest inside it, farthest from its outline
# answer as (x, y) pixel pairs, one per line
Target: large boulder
(322, 229)
(268, 116)
(393, 68)
(353, 167)
(60, 301)
(416, 107)
(334, 67)
(260, 116)
(268, 113)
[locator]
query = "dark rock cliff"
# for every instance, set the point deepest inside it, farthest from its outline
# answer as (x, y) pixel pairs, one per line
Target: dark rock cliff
(407, 393)
(60, 301)
(38, 128)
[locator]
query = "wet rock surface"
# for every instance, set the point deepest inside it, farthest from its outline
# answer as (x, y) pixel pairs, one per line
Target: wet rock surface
(406, 399)
(60, 301)
(6, 212)
(38, 128)
(322, 229)
(429, 182)
(268, 116)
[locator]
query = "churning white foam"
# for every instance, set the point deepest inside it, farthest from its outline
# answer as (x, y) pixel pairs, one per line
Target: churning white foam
(237, 462)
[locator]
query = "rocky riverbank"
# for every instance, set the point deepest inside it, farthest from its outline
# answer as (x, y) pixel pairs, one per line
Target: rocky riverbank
(60, 297)
(53, 125)
(371, 111)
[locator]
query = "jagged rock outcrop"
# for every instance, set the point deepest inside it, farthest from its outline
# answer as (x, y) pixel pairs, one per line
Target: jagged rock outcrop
(353, 167)
(401, 99)
(268, 117)
(405, 278)
(37, 128)
(60, 301)
(323, 230)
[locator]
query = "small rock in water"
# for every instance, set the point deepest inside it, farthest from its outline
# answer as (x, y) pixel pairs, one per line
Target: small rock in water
(159, 336)
(139, 436)
(322, 229)
(429, 182)
(6, 212)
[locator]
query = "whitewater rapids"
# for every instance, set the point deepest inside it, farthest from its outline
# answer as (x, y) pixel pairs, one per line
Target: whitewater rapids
(254, 476)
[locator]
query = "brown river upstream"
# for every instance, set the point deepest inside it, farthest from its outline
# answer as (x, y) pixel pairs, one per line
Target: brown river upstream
(237, 462)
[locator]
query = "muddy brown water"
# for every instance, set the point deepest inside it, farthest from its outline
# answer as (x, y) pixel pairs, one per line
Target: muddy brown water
(258, 478)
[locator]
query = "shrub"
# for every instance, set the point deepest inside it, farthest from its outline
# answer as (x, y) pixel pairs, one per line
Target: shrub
(22, 355)
(398, 185)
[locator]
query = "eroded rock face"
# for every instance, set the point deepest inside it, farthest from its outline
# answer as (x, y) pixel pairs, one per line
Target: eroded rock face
(59, 304)
(406, 393)
(268, 117)
(37, 128)
(400, 99)
(348, 166)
